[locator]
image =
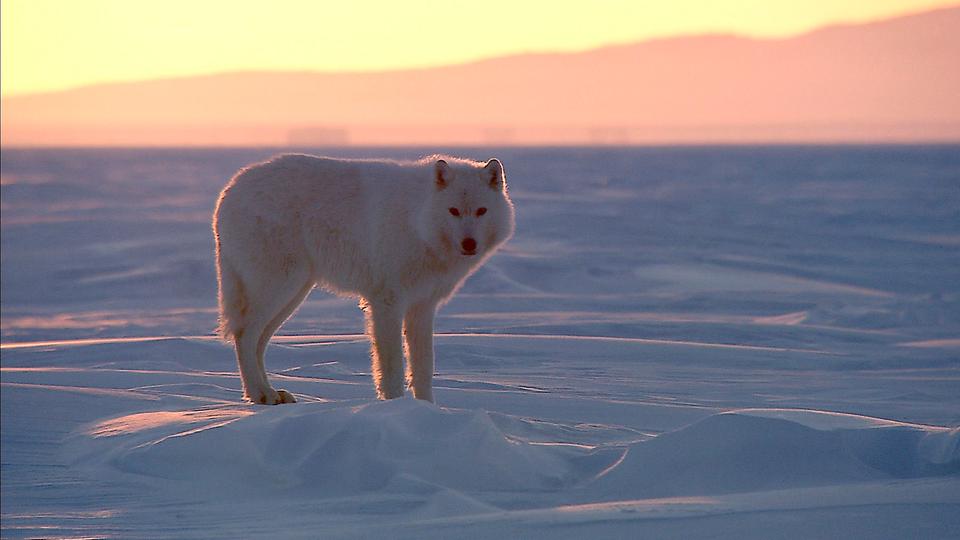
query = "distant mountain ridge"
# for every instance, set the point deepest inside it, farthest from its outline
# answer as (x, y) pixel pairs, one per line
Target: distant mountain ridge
(893, 80)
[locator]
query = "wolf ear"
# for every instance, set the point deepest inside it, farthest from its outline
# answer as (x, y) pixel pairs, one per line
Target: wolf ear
(442, 174)
(494, 171)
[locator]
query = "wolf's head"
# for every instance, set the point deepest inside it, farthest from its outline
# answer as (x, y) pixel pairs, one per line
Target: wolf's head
(469, 213)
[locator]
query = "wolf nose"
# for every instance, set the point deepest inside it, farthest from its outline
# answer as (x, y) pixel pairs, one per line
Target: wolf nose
(468, 244)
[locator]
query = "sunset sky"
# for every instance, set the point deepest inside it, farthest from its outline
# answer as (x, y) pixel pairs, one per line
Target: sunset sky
(57, 44)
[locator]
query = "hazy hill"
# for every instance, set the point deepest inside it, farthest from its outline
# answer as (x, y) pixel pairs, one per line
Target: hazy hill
(888, 80)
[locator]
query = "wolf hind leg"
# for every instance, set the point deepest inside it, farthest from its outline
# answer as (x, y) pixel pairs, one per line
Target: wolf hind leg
(237, 316)
(272, 306)
(273, 326)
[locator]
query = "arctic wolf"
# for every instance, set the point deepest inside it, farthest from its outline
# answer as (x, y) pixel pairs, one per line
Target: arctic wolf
(401, 236)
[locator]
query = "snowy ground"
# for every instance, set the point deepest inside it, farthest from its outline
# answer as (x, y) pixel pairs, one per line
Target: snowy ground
(678, 343)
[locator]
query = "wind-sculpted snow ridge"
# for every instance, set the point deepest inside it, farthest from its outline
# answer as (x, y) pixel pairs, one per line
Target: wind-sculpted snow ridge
(769, 449)
(405, 446)
(329, 450)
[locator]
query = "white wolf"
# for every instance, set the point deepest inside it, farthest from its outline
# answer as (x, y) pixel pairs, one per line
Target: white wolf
(402, 236)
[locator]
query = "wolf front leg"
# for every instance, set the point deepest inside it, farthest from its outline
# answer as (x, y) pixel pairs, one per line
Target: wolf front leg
(418, 330)
(384, 327)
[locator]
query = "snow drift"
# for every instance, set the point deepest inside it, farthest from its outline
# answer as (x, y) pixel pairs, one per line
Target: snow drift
(408, 446)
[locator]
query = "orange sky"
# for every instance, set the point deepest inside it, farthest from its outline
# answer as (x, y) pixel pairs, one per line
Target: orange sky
(57, 44)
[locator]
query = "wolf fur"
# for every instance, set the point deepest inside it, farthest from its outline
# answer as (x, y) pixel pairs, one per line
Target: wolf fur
(401, 236)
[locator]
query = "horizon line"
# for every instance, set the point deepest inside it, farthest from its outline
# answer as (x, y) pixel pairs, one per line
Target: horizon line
(362, 146)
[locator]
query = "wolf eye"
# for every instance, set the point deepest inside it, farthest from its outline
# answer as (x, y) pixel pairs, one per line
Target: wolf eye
(481, 211)
(454, 211)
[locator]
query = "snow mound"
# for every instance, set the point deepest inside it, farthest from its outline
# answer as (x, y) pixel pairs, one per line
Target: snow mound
(409, 447)
(767, 449)
(330, 449)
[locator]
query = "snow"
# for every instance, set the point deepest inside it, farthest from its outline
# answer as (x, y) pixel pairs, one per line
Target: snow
(679, 342)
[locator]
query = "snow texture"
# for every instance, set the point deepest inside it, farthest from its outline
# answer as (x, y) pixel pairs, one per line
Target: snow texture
(678, 343)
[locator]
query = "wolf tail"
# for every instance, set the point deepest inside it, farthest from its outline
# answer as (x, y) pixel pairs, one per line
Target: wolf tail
(232, 300)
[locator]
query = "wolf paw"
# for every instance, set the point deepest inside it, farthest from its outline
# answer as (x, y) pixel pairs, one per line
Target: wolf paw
(270, 396)
(286, 397)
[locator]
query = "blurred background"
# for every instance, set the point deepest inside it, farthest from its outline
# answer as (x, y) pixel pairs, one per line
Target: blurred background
(607, 72)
